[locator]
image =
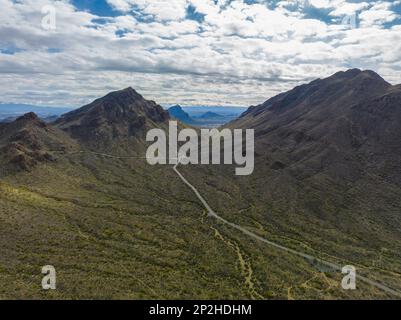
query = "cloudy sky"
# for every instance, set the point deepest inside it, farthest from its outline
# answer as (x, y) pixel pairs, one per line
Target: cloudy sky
(192, 52)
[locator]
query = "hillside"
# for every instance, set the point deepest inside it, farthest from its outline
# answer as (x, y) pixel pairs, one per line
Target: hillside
(29, 141)
(337, 126)
(326, 177)
(325, 183)
(123, 116)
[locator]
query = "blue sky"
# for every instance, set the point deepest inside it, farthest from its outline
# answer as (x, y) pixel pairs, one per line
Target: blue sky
(97, 7)
(191, 52)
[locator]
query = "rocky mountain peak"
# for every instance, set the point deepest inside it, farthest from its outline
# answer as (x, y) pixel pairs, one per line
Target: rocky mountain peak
(116, 116)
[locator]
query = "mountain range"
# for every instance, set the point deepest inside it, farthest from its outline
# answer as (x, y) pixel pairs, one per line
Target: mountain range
(206, 117)
(77, 194)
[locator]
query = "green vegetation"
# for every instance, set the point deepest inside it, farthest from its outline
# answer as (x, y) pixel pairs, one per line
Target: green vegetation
(327, 184)
(121, 229)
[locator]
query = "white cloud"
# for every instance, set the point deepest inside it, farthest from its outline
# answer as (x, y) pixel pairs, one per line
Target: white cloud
(348, 9)
(122, 5)
(161, 10)
(378, 14)
(239, 54)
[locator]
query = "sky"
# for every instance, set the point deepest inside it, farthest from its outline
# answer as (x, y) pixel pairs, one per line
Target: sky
(189, 52)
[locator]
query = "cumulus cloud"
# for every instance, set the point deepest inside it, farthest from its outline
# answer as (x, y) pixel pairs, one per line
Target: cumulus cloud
(190, 51)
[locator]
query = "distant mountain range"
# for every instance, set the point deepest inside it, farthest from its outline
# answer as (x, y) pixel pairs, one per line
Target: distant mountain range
(211, 115)
(205, 116)
(178, 113)
(10, 112)
(77, 193)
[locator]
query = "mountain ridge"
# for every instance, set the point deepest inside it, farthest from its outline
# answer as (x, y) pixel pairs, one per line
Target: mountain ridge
(338, 84)
(320, 120)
